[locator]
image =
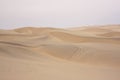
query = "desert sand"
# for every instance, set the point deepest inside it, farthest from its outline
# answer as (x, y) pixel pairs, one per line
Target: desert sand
(82, 53)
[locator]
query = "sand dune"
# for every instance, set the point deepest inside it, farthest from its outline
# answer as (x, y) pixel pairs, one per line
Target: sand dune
(112, 34)
(87, 53)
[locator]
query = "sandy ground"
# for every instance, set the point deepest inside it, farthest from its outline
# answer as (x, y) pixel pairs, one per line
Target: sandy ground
(87, 53)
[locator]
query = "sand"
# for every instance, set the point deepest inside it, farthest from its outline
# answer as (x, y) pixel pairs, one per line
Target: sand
(84, 53)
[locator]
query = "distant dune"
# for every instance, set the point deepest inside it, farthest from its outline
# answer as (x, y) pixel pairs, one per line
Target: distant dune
(82, 53)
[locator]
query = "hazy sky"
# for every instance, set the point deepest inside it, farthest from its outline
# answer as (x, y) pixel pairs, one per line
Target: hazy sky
(58, 13)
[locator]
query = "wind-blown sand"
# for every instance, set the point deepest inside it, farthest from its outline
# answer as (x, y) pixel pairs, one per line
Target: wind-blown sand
(89, 53)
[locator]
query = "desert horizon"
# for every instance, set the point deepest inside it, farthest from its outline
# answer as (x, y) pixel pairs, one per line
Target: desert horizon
(59, 39)
(47, 53)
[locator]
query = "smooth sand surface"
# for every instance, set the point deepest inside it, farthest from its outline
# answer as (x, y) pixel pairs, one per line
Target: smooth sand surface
(86, 53)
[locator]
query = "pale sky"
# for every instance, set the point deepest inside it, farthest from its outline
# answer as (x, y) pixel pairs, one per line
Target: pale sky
(58, 13)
